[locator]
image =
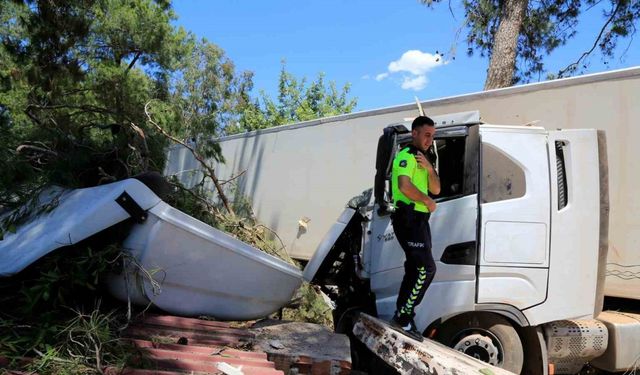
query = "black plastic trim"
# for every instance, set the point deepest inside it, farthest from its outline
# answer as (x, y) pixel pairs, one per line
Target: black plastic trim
(132, 207)
(508, 311)
(463, 253)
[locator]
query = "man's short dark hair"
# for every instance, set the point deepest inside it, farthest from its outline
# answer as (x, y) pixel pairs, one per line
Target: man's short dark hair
(421, 121)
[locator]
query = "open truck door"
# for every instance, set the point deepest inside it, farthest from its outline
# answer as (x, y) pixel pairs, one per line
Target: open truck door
(453, 227)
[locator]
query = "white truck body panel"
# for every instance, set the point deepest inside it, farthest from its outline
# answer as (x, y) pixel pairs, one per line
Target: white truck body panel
(515, 217)
(453, 222)
(623, 350)
(515, 232)
(201, 270)
(310, 169)
(516, 265)
(78, 215)
(575, 253)
(514, 286)
(196, 266)
(327, 243)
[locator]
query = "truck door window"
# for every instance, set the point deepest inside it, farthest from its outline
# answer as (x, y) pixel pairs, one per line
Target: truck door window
(502, 178)
(451, 162)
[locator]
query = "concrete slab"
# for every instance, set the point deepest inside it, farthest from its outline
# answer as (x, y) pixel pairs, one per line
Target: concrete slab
(308, 348)
(409, 356)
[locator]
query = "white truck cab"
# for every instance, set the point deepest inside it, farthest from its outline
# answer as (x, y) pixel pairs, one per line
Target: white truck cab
(519, 240)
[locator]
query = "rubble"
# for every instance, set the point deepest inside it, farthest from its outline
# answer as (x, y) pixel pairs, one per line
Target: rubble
(409, 356)
(303, 348)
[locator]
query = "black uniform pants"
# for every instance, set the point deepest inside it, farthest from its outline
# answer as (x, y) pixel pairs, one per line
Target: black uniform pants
(414, 235)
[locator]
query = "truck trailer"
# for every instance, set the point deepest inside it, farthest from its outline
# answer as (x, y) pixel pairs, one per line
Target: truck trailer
(325, 161)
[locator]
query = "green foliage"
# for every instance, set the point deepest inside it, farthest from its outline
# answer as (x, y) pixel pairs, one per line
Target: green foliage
(134, 29)
(75, 80)
(42, 312)
(312, 307)
(57, 280)
(82, 343)
(75, 77)
(209, 96)
(296, 102)
(547, 26)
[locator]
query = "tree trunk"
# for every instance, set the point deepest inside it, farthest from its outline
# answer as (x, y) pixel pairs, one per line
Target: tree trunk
(503, 55)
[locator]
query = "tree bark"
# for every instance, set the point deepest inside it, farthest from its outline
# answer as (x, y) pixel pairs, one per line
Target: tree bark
(503, 55)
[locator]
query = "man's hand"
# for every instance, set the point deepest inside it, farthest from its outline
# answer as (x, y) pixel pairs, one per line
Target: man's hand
(423, 162)
(430, 203)
(434, 180)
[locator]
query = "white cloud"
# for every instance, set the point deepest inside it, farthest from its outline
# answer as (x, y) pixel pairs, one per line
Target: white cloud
(366, 76)
(413, 67)
(415, 62)
(415, 83)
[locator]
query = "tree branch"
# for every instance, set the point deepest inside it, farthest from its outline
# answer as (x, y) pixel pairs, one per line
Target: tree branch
(145, 148)
(624, 53)
(210, 207)
(22, 148)
(32, 116)
(133, 62)
(200, 159)
(282, 245)
(87, 108)
(233, 178)
(571, 67)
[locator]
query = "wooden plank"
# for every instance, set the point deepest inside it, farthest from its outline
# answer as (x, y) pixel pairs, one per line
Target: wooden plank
(409, 356)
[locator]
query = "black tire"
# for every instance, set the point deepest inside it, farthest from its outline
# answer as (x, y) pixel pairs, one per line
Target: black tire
(156, 182)
(496, 333)
(343, 321)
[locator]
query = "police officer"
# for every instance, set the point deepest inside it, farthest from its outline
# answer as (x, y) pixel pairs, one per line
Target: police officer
(412, 179)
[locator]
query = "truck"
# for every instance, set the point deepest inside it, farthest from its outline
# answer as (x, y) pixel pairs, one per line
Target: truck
(520, 236)
(521, 233)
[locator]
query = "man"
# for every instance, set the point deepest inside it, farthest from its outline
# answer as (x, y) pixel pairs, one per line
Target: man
(412, 178)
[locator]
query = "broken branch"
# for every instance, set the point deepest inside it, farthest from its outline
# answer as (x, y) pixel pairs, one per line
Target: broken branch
(233, 178)
(211, 173)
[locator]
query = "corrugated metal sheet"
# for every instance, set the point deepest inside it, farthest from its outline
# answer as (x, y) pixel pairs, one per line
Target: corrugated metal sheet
(174, 345)
(168, 345)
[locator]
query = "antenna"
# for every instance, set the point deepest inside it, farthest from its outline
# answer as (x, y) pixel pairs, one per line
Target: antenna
(435, 145)
(420, 111)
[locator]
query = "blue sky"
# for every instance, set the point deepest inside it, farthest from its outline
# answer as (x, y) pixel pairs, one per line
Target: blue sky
(385, 49)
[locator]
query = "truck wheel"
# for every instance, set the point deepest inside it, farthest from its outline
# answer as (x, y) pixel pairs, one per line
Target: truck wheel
(485, 336)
